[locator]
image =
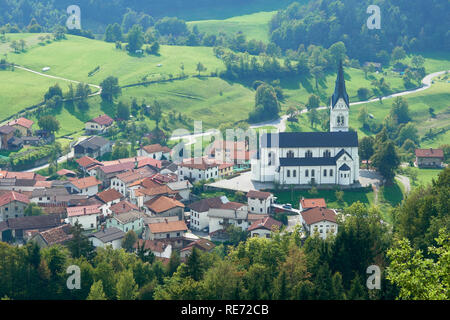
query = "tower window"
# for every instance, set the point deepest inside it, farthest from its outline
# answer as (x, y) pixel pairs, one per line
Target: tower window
(331, 172)
(326, 154)
(290, 154)
(288, 173)
(294, 173)
(312, 172)
(306, 173)
(308, 154)
(325, 172)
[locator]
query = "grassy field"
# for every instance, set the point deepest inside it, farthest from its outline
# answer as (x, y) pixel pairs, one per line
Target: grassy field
(253, 26)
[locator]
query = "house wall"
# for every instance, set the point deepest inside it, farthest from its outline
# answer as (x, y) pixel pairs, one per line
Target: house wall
(14, 209)
(88, 222)
(322, 227)
(429, 162)
(116, 244)
(136, 225)
(199, 220)
(259, 206)
(261, 233)
(197, 174)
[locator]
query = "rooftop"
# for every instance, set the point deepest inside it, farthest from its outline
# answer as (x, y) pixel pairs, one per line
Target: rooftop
(108, 235)
(103, 120)
(312, 203)
(430, 153)
(84, 183)
(169, 226)
(13, 196)
(109, 195)
(23, 122)
(82, 211)
(156, 148)
(162, 204)
(258, 194)
(317, 214)
(267, 223)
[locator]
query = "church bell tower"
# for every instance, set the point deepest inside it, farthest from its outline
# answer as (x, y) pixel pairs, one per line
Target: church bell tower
(340, 104)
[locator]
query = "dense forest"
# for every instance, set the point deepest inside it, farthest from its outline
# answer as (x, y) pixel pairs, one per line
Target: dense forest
(411, 24)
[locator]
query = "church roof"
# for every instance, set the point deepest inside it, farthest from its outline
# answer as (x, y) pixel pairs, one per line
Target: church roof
(310, 139)
(339, 90)
(321, 161)
(344, 167)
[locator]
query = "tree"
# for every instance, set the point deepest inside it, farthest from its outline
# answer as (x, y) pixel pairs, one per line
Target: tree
(313, 117)
(318, 74)
(266, 104)
(398, 54)
(156, 112)
(80, 245)
(363, 116)
(386, 160)
(200, 68)
(363, 94)
(135, 39)
(33, 209)
(110, 89)
(123, 111)
(291, 112)
(313, 102)
(53, 91)
(127, 288)
(49, 124)
(194, 265)
(408, 131)
(129, 240)
(96, 292)
(120, 151)
(366, 149)
(417, 277)
(400, 110)
(417, 61)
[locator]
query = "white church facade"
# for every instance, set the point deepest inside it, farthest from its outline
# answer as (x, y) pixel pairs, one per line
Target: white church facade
(320, 158)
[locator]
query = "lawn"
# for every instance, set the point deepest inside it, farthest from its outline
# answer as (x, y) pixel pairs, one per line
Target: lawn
(364, 195)
(253, 26)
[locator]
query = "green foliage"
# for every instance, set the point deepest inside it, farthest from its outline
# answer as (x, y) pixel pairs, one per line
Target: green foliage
(110, 88)
(126, 286)
(266, 104)
(129, 240)
(96, 292)
(49, 124)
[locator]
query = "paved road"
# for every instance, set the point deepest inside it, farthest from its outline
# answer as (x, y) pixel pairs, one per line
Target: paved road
(406, 183)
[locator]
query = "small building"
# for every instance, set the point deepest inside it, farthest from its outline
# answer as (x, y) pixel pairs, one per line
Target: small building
(87, 216)
(99, 125)
(93, 147)
(321, 221)
(16, 228)
(59, 235)
(199, 211)
(127, 221)
(230, 213)
(6, 133)
(165, 207)
(264, 227)
(13, 205)
(107, 237)
(66, 173)
(155, 151)
(259, 201)
(123, 206)
(183, 188)
(202, 244)
(429, 158)
(160, 249)
(23, 125)
(306, 204)
(109, 197)
(88, 165)
(48, 195)
(85, 186)
(197, 169)
(225, 170)
(172, 231)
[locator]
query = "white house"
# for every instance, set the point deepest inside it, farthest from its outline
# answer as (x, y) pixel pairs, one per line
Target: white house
(199, 211)
(160, 249)
(172, 231)
(259, 202)
(183, 188)
(127, 221)
(99, 124)
(231, 213)
(321, 221)
(264, 227)
(197, 169)
(85, 186)
(86, 216)
(109, 198)
(301, 158)
(155, 151)
(107, 237)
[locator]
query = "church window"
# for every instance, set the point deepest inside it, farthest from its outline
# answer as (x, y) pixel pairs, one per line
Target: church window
(294, 173)
(288, 173)
(290, 154)
(308, 154)
(271, 158)
(306, 173)
(331, 172)
(326, 154)
(325, 172)
(312, 172)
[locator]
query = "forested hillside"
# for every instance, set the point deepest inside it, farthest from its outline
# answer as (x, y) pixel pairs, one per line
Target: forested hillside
(412, 24)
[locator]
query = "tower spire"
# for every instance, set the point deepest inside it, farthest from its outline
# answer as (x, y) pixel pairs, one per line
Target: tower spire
(339, 90)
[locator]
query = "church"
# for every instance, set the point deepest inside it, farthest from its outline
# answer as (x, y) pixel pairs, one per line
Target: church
(319, 158)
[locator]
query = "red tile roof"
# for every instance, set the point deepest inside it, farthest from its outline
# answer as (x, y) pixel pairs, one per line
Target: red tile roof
(312, 203)
(13, 196)
(123, 206)
(117, 167)
(315, 215)
(267, 223)
(82, 211)
(156, 148)
(258, 194)
(84, 183)
(430, 153)
(23, 122)
(103, 120)
(168, 226)
(109, 195)
(152, 245)
(198, 163)
(87, 161)
(64, 172)
(57, 235)
(162, 204)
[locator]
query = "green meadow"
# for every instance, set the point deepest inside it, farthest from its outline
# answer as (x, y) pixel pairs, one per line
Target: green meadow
(253, 26)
